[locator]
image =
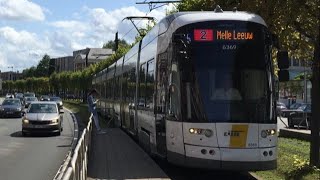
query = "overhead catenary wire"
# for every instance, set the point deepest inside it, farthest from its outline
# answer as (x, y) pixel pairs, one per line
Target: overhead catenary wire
(133, 27)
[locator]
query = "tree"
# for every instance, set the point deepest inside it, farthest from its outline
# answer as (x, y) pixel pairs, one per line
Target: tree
(297, 25)
(29, 72)
(111, 44)
(43, 67)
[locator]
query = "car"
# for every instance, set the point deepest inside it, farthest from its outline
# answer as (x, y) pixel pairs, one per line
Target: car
(11, 107)
(20, 96)
(292, 108)
(58, 100)
(42, 117)
(300, 116)
(280, 107)
(44, 98)
(9, 95)
(28, 100)
(29, 94)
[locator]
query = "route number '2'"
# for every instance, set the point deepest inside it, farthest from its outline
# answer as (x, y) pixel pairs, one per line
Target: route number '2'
(203, 35)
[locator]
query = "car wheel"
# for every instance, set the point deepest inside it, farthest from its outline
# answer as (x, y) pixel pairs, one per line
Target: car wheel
(24, 133)
(59, 132)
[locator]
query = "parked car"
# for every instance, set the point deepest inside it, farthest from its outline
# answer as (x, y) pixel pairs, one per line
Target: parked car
(293, 108)
(11, 107)
(29, 100)
(58, 100)
(300, 116)
(42, 117)
(280, 107)
(44, 98)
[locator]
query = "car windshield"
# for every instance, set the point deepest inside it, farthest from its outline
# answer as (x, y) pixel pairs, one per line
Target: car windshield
(13, 102)
(29, 95)
(31, 99)
(305, 107)
(43, 108)
(55, 99)
(295, 105)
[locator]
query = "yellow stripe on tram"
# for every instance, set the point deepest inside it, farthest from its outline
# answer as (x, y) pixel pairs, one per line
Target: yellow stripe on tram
(238, 136)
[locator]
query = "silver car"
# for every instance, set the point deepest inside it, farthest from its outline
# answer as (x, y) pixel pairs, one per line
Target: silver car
(42, 116)
(28, 100)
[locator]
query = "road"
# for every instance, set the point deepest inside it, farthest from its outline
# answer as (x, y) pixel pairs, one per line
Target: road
(282, 123)
(35, 157)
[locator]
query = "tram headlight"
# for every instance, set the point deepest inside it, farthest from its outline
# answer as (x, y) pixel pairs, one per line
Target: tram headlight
(268, 132)
(206, 132)
(271, 132)
(191, 130)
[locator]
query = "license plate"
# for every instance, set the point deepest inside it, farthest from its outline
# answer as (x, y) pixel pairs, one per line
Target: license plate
(38, 126)
(9, 112)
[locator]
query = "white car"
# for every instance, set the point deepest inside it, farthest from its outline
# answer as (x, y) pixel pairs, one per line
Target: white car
(43, 117)
(9, 95)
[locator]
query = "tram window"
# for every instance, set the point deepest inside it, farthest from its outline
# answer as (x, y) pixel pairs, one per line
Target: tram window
(132, 84)
(150, 84)
(124, 86)
(142, 86)
(116, 88)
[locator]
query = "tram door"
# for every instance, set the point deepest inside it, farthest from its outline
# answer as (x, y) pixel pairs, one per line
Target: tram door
(160, 111)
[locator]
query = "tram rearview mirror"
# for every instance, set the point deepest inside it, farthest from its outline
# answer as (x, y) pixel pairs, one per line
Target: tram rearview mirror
(283, 59)
(283, 75)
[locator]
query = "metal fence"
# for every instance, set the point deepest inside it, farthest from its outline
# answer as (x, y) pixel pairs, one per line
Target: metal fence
(77, 166)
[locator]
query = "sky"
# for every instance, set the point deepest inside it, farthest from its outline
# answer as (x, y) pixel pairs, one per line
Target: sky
(29, 29)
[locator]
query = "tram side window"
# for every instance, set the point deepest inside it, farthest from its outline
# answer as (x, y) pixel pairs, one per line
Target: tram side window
(103, 90)
(116, 88)
(150, 84)
(132, 85)
(124, 86)
(142, 86)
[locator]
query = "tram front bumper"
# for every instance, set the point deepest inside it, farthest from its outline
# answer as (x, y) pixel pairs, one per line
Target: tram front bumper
(226, 158)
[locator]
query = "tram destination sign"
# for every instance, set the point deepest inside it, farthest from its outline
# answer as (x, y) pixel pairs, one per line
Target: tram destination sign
(211, 35)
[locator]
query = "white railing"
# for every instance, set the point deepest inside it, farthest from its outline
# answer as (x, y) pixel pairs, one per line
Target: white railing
(77, 166)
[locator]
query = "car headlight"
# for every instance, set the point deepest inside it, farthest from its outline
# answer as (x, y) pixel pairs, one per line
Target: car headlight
(18, 109)
(25, 121)
(54, 120)
(1, 109)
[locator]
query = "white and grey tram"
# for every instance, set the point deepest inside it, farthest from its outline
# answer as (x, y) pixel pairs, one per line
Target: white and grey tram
(162, 91)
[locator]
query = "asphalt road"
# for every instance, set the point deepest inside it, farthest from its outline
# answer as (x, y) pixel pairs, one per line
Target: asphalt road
(36, 157)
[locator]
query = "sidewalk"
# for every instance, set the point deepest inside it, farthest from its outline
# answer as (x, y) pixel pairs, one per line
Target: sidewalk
(115, 155)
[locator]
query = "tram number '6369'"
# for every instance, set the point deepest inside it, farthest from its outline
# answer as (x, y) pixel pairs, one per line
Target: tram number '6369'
(229, 47)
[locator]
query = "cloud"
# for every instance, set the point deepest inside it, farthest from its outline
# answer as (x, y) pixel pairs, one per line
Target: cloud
(20, 10)
(70, 25)
(107, 23)
(21, 48)
(86, 28)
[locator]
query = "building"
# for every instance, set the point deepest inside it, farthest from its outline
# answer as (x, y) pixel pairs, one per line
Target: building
(11, 75)
(297, 68)
(85, 57)
(63, 64)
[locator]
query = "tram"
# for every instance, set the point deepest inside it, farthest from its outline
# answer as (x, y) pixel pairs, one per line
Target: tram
(163, 91)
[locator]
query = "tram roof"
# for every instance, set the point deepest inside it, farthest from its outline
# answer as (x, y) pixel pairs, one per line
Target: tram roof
(180, 19)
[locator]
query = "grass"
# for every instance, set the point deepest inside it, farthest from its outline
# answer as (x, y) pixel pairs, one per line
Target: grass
(293, 162)
(82, 113)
